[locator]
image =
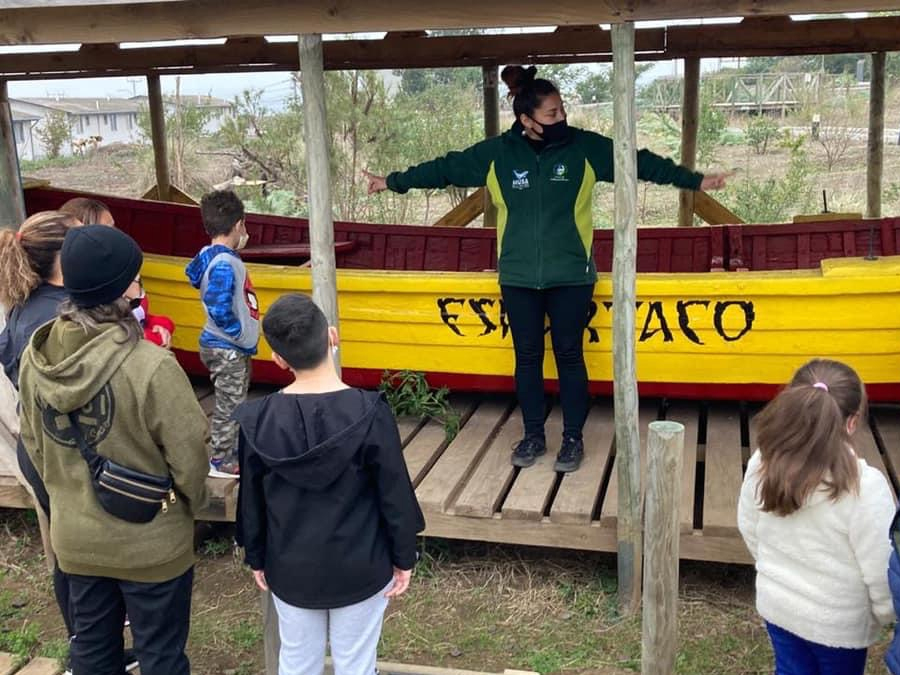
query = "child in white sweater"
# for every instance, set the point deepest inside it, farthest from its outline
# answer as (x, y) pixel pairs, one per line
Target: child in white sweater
(815, 517)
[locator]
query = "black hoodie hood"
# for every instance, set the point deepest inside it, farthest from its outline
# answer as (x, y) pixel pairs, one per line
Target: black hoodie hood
(308, 439)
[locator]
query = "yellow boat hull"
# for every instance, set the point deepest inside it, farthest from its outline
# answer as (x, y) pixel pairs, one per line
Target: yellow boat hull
(709, 334)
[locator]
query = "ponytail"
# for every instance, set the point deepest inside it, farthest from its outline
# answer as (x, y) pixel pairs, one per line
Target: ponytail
(28, 257)
(803, 437)
(526, 90)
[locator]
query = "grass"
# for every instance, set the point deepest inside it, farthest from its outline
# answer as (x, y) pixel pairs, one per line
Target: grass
(409, 395)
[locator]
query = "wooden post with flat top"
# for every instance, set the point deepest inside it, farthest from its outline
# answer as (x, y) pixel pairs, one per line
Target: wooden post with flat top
(625, 394)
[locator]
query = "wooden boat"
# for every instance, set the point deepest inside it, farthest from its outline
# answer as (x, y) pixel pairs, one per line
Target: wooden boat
(419, 298)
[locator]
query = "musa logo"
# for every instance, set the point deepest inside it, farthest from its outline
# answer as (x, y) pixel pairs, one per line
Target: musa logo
(520, 180)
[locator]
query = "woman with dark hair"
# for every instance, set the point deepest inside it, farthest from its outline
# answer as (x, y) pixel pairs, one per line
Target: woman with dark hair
(92, 387)
(541, 175)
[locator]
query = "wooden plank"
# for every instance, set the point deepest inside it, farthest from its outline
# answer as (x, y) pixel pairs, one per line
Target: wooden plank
(866, 447)
(481, 495)
(425, 449)
(408, 426)
(724, 473)
(578, 492)
(443, 482)
(13, 495)
(712, 211)
(730, 549)
(465, 212)
(41, 666)
(206, 19)
(609, 510)
(533, 486)
(591, 537)
(689, 415)
(7, 663)
(887, 421)
(12, 200)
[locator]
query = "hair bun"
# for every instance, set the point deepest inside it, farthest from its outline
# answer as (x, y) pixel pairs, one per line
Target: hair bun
(517, 77)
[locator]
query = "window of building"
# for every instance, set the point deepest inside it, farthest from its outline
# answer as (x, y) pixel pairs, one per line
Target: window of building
(114, 122)
(19, 132)
(106, 120)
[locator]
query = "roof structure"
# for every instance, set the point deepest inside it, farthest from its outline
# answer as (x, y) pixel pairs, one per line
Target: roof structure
(567, 44)
(96, 21)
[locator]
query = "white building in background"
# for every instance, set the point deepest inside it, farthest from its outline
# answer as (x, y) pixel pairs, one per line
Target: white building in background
(96, 121)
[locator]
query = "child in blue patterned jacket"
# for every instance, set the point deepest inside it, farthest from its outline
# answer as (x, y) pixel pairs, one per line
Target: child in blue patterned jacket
(231, 333)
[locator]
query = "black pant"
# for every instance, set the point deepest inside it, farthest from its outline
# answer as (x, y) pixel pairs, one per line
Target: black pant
(160, 615)
(567, 307)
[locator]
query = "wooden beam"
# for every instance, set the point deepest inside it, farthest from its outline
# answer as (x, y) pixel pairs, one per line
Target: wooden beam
(780, 36)
(158, 131)
(411, 50)
(490, 77)
(12, 200)
(713, 212)
(625, 393)
(466, 211)
(318, 171)
(690, 123)
(875, 152)
(219, 18)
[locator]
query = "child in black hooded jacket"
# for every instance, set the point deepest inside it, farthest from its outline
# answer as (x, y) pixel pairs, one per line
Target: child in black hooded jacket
(328, 516)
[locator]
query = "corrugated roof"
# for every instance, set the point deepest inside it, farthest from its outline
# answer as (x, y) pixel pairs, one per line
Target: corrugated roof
(86, 106)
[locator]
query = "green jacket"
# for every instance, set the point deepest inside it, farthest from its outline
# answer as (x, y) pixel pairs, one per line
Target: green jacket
(544, 227)
(138, 408)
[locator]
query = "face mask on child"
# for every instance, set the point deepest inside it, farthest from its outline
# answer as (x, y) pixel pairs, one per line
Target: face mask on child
(242, 242)
(136, 309)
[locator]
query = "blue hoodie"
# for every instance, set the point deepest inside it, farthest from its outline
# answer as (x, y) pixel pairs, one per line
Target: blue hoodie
(230, 304)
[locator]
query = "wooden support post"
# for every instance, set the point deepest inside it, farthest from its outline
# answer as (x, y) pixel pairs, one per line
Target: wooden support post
(690, 122)
(318, 169)
(875, 155)
(12, 201)
(625, 395)
(659, 643)
(271, 638)
(158, 131)
(490, 82)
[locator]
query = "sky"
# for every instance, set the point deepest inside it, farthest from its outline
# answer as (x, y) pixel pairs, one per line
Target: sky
(275, 86)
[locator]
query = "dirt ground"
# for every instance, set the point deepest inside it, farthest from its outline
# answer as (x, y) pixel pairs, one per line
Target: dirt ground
(471, 606)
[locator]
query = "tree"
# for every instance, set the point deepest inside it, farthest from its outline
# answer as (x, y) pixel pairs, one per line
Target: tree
(761, 129)
(712, 125)
(54, 133)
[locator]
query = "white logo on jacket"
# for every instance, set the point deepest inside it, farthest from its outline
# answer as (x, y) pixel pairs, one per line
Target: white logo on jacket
(520, 180)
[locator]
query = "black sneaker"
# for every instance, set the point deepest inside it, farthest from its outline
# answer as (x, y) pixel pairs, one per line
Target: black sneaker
(528, 450)
(570, 455)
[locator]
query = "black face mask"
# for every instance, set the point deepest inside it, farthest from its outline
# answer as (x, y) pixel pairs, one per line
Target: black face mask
(555, 133)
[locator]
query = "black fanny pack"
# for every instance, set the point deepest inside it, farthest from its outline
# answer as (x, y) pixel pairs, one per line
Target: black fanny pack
(125, 493)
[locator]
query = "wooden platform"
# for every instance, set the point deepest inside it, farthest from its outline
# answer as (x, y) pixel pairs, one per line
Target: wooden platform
(469, 490)
(37, 666)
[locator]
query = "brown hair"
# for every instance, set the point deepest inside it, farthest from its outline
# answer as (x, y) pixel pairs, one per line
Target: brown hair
(88, 211)
(803, 436)
(27, 257)
(91, 318)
